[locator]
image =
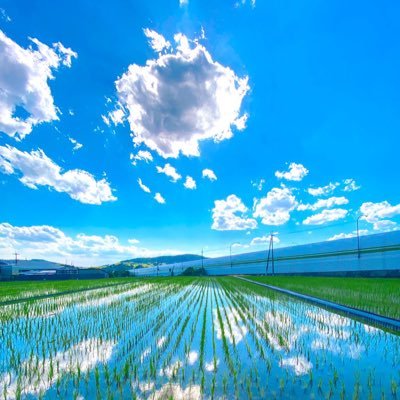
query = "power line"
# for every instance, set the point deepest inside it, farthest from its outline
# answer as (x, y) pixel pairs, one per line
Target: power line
(282, 235)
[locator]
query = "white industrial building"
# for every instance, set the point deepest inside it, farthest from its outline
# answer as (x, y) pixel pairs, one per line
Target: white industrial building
(372, 255)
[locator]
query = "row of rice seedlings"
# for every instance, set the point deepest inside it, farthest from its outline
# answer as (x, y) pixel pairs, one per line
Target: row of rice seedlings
(151, 361)
(124, 344)
(51, 354)
(284, 340)
(26, 290)
(183, 367)
(170, 350)
(214, 366)
(245, 313)
(226, 348)
(234, 336)
(54, 305)
(251, 325)
(257, 348)
(202, 344)
(344, 330)
(251, 380)
(147, 363)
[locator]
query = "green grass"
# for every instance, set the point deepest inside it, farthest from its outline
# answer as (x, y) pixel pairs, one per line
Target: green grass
(377, 295)
(23, 289)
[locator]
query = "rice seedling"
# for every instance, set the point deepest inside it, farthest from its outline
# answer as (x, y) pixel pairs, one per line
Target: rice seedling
(197, 337)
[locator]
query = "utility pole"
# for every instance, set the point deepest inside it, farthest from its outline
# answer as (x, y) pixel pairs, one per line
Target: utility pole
(272, 247)
(16, 258)
(270, 255)
(358, 238)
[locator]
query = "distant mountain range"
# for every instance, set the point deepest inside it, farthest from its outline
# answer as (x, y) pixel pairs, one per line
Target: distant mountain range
(116, 269)
(121, 268)
(33, 264)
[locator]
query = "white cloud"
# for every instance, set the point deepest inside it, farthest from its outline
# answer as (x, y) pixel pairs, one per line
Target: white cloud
(300, 365)
(41, 233)
(373, 212)
(159, 199)
(324, 203)
(142, 155)
(66, 53)
(348, 235)
(106, 120)
(183, 3)
(192, 357)
(43, 241)
(190, 183)
(170, 171)
(296, 172)
(210, 174)
(157, 42)
(275, 207)
(116, 116)
(174, 390)
(24, 76)
(323, 190)
(4, 15)
(87, 354)
(238, 245)
(258, 185)
(263, 240)
(77, 145)
(181, 98)
(143, 186)
(350, 185)
(241, 3)
(230, 215)
(36, 169)
(384, 225)
(326, 216)
(240, 123)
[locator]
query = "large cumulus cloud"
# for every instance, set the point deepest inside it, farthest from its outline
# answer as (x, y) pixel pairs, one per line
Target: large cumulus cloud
(275, 207)
(181, 98)
(24, 76)
(230, 215)
(36, 169)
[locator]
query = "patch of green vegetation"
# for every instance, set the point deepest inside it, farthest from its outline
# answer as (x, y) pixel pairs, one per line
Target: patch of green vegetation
(194, 272)
(25, 289)
(377, 295)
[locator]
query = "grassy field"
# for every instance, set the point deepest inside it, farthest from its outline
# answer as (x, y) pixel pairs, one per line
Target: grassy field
(377, 295)
(23, 289)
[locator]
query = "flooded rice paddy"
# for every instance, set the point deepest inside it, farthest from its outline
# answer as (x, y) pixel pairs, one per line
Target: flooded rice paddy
(191, 338)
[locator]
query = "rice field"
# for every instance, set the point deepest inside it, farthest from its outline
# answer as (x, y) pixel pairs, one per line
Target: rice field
(191, 338)
(10, 291)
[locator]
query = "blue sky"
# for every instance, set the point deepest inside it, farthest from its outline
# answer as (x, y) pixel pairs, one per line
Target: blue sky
(293, 95)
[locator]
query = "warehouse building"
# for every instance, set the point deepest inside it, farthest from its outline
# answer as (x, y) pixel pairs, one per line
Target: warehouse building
(369, 255)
